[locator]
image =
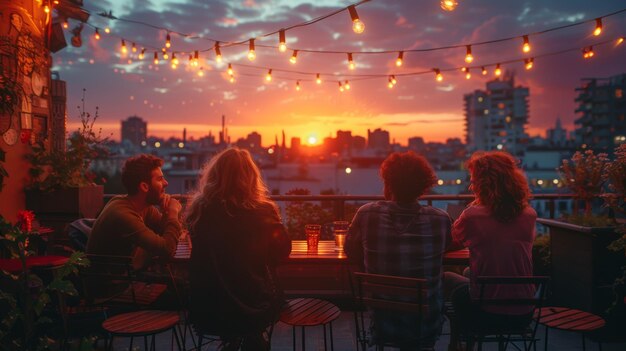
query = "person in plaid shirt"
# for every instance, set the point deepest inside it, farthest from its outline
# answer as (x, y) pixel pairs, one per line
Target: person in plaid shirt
(400, 237)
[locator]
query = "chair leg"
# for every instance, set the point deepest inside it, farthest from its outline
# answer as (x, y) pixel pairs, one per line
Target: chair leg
(303, 339)
(583, 336)
(545, 341)
(293, 331)
(145, 344)
(332, 344)
(199, 347)
(178, 340)
(325, 346)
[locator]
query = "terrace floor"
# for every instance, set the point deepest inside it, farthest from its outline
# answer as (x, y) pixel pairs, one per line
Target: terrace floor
(343, 332)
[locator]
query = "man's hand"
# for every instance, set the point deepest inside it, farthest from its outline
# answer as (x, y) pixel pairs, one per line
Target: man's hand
(170, 206)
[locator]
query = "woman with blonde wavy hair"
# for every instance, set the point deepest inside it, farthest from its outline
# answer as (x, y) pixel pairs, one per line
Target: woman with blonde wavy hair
(237, 238)
(499, 229)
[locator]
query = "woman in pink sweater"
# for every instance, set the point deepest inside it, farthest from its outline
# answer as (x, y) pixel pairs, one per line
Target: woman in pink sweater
(499, 229)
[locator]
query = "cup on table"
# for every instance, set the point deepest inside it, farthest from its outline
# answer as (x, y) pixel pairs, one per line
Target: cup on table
(340, 229)
(312, 236)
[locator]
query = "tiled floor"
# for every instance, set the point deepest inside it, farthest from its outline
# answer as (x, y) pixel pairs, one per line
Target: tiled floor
(343, 336)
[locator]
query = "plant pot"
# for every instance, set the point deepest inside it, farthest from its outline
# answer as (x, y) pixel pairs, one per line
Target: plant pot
(80, 202)
(583, 269)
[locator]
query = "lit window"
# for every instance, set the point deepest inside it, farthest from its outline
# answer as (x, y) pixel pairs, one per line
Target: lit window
(508, 119)
(486, 111)
(619, 93)
(480, 99)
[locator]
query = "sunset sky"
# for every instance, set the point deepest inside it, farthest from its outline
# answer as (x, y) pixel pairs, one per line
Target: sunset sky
(171, 100)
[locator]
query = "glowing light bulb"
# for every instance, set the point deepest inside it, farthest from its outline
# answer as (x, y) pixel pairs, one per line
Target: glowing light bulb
(318, 79)
(400, 58)
(438, 75)
(351, 64)
(123, 47)
(175, 60)
(46, 9)
(468, 54)
(142, 54)
(156, 58)
(483, 71)
(468, 75)
(201, 72)
(251, 53)
(268, 77)
(498, 70)
(448, 5)
(168, 41)
(232, 79)
(357, 25)
(282, 43)
(133, 47)
(347, 85)
(598, 29)
(66, 25)
(165, 55)
(218, 52)
(107, 30)
(588, 52)
(298, 86)
(393, 80)
(620, 40)
(341, 89)
(526, 46)
(294, 57)
(196, 58)
(174, 66)
(529, 63)
(96, 34)
(230, 69)
(389, 83)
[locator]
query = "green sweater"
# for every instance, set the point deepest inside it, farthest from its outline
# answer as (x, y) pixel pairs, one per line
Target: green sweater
(122, 231)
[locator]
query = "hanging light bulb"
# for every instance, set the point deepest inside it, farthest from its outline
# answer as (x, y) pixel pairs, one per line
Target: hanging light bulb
(218, 52)
(318, 79)
(341, 89)
(232, 79)
(168, 41)
(123, 47)
(498, 70)
(526, 45)
(484, 71)
(448, 5)
(438, 75)
(107, 30)
(294, 57)
(529, 63)
(142, 54)
(357, 25)
(588, 52)
(468, 54)
(598, 29)
(175, 59)
(190, 60)
(196, 58)
(400, 58)
(468, 75)
(393, 80)
(174, 66)
(133, 47)
(230, 69)
(156, 58)
(65, 24)
(351, 64)
(165, 55)
(96, 34)
(251, 53)
(282, 43)
(268, 77)
(347, 85)
(201, 72)
(298, 85)
(619, 40)
(46, 9)
(389, 83)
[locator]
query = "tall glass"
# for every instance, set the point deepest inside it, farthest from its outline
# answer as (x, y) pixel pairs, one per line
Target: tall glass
(312, 236)
(340, 229)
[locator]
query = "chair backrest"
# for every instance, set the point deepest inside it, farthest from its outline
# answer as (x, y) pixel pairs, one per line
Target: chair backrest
(535, 302)
(386, 292)
(107, 276)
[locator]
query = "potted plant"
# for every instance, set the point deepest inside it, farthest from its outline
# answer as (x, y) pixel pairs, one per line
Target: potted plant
(583, 268)
(62, 183)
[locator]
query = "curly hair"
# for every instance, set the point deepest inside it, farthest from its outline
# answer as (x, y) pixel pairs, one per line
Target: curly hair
(406, 176)
(498, 184)
(139, 169)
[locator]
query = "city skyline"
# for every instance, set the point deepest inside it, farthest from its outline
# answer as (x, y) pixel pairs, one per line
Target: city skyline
(417, 106)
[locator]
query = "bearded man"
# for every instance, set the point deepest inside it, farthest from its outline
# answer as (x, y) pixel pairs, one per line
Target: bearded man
(132, 225)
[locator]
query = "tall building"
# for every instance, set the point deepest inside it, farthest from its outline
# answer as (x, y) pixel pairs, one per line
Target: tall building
(496, 118)
(601, 124)
(378, 139)
(58, 96)
(135, 130)
(557, 136)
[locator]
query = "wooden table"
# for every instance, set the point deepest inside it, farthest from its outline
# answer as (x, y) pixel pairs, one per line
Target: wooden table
(14, 265)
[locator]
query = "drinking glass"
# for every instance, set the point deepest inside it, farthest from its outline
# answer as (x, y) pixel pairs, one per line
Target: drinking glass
(340, 229)
(312, 236)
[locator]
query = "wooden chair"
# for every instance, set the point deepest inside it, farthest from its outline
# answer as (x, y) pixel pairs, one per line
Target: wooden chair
(389, 293)
(506, 331)
(308, 312)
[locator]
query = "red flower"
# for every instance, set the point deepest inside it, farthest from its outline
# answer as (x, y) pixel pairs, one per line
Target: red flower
(25, 220)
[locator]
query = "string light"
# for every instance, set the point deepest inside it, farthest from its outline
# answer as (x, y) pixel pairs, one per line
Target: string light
(165, 55)
(230, 69)
(468, 54)
(66, 25)
(251, 54)
(156, 58)
(142, 54)
(526, 46)
(393, 80)
(484, 71)
(588, 52)
(357, 25)
(389, 83)
(96, 34)
(498, 70)
(400, 58)
(294, 57)
(232, 79)
(218, 52)
(168, 41)
(201, 72)
(318, 79)
(438, 75)
(133, 48)
(341, 89)
(351, 64)
(46, 9)
(282, 43)
(297, 85)
(347, 85)
(175, 59)
(620, 40)
(107, 30)
(268, 77)
(529, 62)
(598, 29)
(123, 47)
(196, 58)
(468, 75)
(448, 5)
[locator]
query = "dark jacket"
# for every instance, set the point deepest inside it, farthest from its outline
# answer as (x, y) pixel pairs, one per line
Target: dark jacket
(233, 290)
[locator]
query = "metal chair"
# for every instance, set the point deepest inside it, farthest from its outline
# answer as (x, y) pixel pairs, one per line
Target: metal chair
(400, 295)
